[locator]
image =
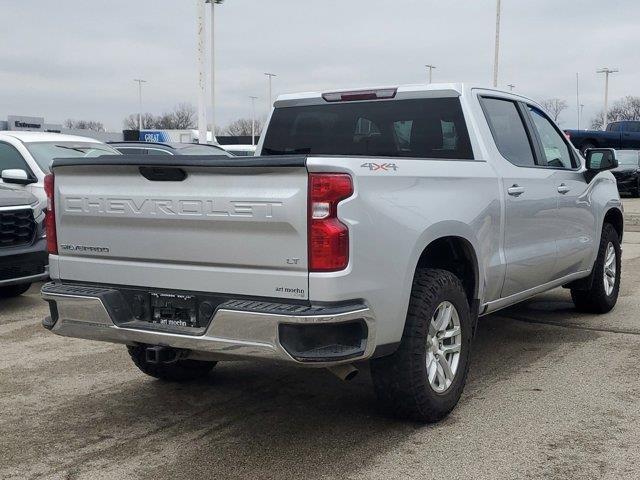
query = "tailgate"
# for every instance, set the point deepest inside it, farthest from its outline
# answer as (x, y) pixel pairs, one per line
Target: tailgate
(229, 226)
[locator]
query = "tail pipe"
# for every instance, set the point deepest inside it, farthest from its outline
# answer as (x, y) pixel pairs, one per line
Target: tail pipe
(344, 372)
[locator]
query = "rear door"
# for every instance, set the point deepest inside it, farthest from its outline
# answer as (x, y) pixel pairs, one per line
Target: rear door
(195, 224)
(531, 223)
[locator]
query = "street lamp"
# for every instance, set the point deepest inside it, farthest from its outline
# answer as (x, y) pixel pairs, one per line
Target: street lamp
(213, 68)
(607, 72)
(430, 67)
(202, 89)
(269, 85)
(253, 119)
(139, 81)
(497, 49)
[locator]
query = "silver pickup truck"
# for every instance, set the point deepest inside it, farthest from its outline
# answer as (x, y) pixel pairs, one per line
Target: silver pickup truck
(374, 225)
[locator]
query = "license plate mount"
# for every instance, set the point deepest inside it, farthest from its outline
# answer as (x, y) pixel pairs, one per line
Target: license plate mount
(174, 310)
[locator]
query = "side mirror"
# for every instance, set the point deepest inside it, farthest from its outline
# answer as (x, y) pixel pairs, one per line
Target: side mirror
(601, 159)
(17, 176)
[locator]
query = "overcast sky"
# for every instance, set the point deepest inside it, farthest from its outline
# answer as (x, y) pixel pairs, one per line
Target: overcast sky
(77, 58)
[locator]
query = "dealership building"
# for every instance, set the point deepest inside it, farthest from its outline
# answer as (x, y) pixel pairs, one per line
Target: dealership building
(38, 124)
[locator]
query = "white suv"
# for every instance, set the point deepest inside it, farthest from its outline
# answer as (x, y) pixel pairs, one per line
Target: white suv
(25, 157)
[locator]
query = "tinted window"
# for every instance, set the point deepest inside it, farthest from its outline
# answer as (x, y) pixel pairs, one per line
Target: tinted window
(10, 158)
(508, 131)
(632, 127)
(423, 128)
(554, 146)
(202, 150)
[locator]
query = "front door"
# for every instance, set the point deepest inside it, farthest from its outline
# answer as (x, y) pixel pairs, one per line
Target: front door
(576, 219)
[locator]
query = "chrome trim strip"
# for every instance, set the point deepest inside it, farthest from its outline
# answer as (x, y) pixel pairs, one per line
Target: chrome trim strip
(31, 279)
(15, 207)
(505, 302)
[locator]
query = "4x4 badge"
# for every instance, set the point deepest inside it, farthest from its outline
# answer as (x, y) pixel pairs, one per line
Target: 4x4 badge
(375, 167)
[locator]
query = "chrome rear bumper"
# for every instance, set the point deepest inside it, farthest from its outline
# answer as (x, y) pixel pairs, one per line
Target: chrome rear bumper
(233, 333)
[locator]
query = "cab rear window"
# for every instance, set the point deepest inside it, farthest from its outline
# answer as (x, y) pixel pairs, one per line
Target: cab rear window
(420, 128)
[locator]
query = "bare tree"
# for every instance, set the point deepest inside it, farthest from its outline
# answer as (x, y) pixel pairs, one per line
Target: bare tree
(92, 125)
(554, 107)
(242, 127)
(182, 117)
(627, 108)
(148, 121)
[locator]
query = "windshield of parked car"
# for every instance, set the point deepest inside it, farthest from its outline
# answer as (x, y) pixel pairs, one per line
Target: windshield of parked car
(628, 158)
(419, 128)
(45, 152)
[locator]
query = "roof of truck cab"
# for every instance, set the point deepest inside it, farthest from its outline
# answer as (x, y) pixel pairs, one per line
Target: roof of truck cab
(420, 90)
(31, 137)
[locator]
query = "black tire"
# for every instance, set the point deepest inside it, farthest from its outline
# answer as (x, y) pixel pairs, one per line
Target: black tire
(635, 193)
(401, 379)
(596, 299)
(179, 371)
(586, 146)
(14, 290)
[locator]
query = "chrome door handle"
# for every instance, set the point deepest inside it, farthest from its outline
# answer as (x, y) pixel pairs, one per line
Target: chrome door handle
(563, 189)
(515, 190)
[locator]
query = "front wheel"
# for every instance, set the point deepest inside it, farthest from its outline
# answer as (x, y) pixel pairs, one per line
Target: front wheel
(605, 287)
(423, 380)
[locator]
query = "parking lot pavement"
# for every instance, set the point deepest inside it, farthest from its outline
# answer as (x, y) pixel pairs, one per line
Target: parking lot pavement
(631, 213)
(551, 394)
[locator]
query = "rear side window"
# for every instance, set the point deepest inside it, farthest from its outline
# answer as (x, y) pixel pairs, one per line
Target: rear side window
(508, 131)
(421, 128)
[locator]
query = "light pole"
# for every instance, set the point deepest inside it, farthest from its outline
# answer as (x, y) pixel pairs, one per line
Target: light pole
(253, 119)
(269, 85)
(578, 97)
(607, 72)
(139, 81)
(213, 68)
(430, 67)
(511, 87)
(580, 114)
(202, 89)
(497, 50)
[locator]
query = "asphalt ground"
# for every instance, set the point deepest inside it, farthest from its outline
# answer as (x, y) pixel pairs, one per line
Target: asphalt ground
(551, 394)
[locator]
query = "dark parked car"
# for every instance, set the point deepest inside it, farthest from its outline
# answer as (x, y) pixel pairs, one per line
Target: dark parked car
(23, 245)
(619, 135)
(150, 148)
(628, 172)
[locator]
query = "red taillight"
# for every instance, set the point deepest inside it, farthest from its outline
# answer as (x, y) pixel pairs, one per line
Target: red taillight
(328, 236)
(380, 94)
(50, 216)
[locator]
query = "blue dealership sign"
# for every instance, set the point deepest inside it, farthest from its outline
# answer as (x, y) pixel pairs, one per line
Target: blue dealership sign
(153, 136)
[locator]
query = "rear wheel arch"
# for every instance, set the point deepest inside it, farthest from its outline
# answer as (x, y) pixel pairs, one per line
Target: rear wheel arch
(615, 218)
(457, 255)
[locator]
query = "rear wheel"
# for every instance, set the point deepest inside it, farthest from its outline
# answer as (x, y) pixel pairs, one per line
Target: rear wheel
(14, 290)
(423, 380)
(178, 371)
(635, 193)
(603, 294)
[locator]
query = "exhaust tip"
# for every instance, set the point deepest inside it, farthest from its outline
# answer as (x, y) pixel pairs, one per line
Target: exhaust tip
(345, 372)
